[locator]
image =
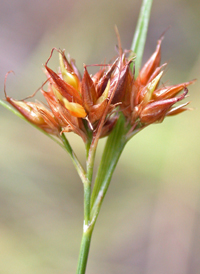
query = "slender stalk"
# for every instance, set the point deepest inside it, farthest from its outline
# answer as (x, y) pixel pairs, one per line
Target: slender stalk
(74, 158)
(90, 159)
(90, 153)
(87, 195)
(84, 251)
(87, 228)
(89, 220)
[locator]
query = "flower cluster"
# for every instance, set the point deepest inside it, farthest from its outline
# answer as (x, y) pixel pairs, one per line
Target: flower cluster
(91, 103)
(145, 102)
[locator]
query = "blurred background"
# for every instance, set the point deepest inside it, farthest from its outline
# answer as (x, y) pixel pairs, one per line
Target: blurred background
(150, 220)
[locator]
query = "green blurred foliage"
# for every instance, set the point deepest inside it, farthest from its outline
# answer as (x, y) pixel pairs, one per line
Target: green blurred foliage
(150, 221)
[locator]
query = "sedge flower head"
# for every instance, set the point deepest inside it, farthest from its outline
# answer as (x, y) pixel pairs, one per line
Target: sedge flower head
(91, 103)
(146, 102)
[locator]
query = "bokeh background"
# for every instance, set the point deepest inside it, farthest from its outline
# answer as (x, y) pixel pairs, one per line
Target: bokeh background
(150, 220)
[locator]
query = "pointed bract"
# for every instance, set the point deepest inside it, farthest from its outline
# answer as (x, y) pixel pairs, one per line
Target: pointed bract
(150, 66)
(88, 91)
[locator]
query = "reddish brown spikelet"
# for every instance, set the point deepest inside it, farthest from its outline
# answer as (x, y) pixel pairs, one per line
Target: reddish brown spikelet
(124, 84)
(54, 106)
(88, 91)
(170, 91)
(97, 111)
(156, 111)
(150, 66)
(103, 81)
(37, 114)
(64, 88)
(179, 109)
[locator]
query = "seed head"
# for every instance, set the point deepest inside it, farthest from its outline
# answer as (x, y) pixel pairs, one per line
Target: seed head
(91, 103)
(146, 102)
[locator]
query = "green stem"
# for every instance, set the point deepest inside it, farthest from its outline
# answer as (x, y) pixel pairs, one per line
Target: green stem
(87, 195)
(91, 151)
(91, 146)
(74, 158)
(84, 250)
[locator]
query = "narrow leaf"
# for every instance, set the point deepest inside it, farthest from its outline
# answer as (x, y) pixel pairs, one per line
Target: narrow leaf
(112, 151)
(139, 39)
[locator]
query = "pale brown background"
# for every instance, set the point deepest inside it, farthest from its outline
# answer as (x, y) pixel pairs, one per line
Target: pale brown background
(150, 219)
